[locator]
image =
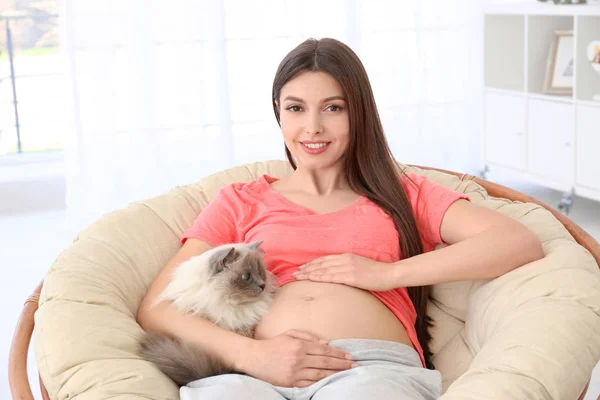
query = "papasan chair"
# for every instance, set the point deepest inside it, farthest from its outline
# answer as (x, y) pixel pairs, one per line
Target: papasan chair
(533, 333)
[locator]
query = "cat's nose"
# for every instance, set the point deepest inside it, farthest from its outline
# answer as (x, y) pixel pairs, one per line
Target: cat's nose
(262, 286)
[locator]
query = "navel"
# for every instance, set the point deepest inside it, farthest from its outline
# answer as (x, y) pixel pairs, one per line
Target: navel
(308, 298)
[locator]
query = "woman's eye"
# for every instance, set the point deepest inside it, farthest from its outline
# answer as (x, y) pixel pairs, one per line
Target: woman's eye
(334, 108)
(246, 276)
(294, 108)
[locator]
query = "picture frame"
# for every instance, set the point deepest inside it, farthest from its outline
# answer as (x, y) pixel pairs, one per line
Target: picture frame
(593, 55)
(560, 65)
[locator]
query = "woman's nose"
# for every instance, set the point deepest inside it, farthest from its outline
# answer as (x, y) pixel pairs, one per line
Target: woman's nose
(314, 124)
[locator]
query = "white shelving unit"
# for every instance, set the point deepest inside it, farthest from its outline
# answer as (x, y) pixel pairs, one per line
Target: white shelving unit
(551, 140)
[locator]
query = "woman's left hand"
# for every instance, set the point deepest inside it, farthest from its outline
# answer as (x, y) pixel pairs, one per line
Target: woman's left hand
(349, 269)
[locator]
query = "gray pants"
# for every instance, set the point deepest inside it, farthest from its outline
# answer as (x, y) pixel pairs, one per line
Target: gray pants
(387, 370)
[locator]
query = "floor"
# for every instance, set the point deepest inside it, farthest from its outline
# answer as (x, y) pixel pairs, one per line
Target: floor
(31, 241)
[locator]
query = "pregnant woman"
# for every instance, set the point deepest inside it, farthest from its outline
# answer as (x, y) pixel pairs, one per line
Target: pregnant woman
(350, 240)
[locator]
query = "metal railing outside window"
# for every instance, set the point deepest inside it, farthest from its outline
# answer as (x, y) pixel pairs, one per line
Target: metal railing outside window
(31, 89)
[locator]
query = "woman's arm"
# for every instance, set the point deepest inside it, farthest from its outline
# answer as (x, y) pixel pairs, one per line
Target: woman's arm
(219, 342)
(484, 244)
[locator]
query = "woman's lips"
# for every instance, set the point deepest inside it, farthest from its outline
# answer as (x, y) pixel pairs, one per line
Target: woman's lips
(315, 147)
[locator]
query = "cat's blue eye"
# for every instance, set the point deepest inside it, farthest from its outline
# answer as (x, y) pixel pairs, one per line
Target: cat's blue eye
(246, 276)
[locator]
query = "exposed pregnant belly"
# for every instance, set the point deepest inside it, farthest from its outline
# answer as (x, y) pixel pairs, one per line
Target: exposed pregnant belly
(330, 311)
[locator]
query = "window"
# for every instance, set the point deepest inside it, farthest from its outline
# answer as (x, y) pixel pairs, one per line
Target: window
(32, 89)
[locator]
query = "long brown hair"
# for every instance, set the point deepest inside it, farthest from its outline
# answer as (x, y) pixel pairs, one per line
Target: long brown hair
(370, 167)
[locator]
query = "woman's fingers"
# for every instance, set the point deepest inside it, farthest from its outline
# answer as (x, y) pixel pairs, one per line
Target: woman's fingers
(328, 363)
(320, 362)
(320, 269)
(315, 349)
(333, 274)
(337, 277)
(303, 336)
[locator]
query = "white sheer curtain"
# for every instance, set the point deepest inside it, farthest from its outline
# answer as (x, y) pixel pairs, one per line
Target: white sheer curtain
(166, 92)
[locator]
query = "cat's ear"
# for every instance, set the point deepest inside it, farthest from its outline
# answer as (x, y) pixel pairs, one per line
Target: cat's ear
(223, 258)
(230, 256)
(254, 245)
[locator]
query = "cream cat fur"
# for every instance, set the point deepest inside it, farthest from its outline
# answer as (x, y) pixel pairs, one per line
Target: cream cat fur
(228, 285)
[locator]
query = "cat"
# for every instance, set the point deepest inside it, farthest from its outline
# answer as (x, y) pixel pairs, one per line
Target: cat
(228, 285)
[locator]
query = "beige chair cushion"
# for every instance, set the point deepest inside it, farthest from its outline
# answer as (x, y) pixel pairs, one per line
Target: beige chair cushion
(531, 334)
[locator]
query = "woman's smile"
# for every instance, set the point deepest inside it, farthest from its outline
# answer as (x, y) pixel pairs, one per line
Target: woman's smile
(314, 147)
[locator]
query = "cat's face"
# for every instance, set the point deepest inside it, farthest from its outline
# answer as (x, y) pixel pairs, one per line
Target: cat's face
(243, 272)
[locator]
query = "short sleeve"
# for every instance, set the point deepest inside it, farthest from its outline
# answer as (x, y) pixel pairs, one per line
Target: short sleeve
(220, 221)
(429, 201)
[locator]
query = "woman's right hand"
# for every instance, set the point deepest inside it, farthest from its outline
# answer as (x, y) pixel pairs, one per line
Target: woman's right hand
(293, 359)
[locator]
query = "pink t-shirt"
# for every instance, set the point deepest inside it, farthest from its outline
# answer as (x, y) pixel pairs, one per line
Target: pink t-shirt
(293, 235)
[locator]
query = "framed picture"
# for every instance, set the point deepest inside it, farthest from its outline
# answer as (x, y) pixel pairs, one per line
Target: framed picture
(593, 53)
(560, 67)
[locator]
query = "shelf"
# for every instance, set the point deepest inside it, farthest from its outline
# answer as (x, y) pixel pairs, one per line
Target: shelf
(540, 32)
(533, 8)
(591, 103)
(549, 139)
(549, 97)
(588, 142)
(587, 192)
(504, 52)
(588, 80)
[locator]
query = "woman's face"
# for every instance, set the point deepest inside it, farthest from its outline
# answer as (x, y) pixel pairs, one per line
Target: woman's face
(314, 120)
